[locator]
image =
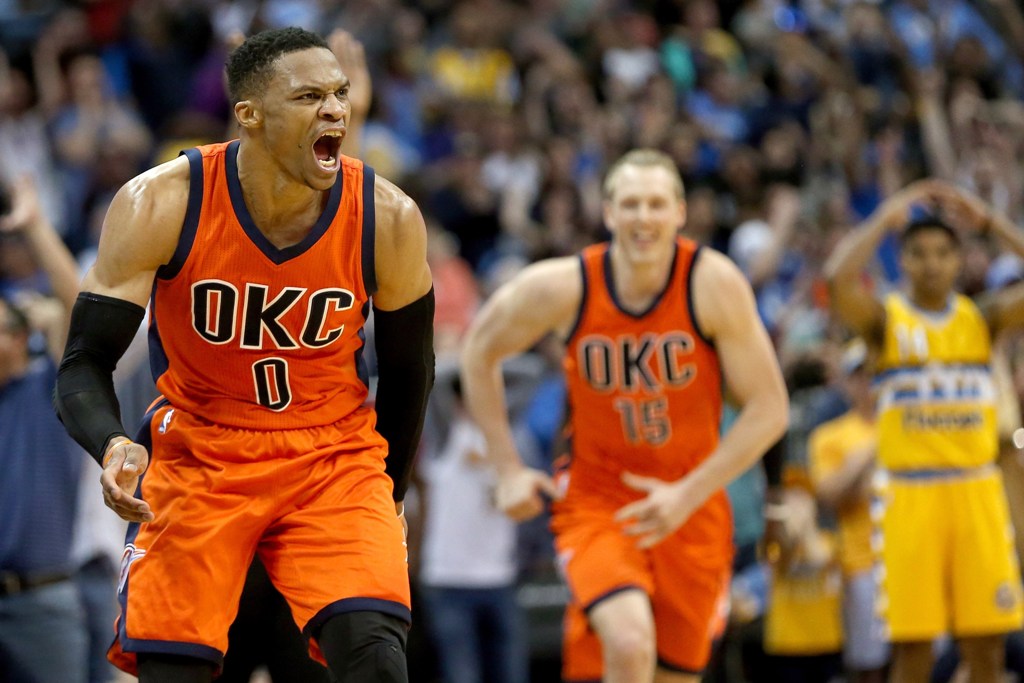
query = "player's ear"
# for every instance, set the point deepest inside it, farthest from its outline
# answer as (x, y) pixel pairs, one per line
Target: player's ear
(248, 114)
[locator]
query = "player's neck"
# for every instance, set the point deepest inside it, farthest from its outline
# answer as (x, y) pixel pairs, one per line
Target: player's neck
(637, 282)
(927, 301)
(282, 209)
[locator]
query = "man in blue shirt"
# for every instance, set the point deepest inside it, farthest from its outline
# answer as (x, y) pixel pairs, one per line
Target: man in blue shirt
(42, 624)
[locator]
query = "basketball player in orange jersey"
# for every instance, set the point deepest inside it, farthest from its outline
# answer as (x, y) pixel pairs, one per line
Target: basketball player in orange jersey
(653, 324)
(259, 258)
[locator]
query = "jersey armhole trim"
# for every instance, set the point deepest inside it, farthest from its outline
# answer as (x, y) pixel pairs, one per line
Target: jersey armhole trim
(368, 236)
(583, 301)
(690, 307)
(190, 225)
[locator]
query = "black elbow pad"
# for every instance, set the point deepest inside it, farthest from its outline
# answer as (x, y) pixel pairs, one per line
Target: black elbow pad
(404, 340)
(101, 330)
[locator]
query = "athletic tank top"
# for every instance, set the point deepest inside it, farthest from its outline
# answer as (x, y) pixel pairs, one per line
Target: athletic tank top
(251, 336)
(644, 390)
(936, 397)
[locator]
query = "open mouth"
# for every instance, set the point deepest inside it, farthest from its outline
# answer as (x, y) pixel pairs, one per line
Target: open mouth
(327, 150)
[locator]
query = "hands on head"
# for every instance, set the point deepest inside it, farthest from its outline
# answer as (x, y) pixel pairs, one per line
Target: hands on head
(960, 208)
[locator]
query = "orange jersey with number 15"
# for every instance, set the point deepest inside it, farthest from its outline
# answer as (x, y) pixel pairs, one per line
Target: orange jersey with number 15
(247, 335)
(644, 388)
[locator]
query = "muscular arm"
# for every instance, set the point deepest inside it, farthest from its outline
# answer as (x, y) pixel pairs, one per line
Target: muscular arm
(1004, 310)
(140, 233)
(544, 298)
(50, 253)
(404, 333)
(726, 310)
(849, 297)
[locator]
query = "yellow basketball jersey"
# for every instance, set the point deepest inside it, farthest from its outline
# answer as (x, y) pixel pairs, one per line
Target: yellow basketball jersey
(936, 397)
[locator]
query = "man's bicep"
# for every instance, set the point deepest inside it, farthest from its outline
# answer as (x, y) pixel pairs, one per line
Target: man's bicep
(140, 233)
(745, 351)
(400, 258)
(521, 313)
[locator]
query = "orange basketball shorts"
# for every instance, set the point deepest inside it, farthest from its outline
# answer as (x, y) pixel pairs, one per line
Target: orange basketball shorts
(314, 504)
(687, 587)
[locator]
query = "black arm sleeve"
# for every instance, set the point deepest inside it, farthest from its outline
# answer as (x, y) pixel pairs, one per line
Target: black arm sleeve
(773, 461)
(101, 330)
(404, 340)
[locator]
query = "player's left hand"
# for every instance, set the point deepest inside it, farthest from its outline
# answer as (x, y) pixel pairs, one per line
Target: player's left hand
(123, 465)
(665, 508)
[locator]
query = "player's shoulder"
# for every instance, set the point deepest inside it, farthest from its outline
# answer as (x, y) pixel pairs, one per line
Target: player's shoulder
(553, 287)
(158, 194)
(717, 281)
(397, 219)
(149, 211)
(561, 274)
(713, 267)
(391, 203)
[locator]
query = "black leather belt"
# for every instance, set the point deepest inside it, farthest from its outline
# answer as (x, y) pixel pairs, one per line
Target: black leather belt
(12, 583)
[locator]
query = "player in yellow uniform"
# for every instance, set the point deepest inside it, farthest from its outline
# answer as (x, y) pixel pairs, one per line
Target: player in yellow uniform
(945, 539)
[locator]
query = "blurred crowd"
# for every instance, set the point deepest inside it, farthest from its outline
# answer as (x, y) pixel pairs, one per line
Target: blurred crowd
(789, 120)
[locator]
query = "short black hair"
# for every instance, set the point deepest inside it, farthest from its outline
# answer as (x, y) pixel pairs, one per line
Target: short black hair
(928, 222)
(249, 65)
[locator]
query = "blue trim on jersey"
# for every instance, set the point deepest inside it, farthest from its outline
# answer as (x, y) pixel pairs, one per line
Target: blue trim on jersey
(190, 226)
(346, 605)
(362, 371)
(936, 395)
(139, 646)
(691, 309)
(933, 473)
(158, 361)
(609, 283)
(278, 256)
(583, 300)
(369, 233)
(611, 593)
(919, 369)
(144, 438)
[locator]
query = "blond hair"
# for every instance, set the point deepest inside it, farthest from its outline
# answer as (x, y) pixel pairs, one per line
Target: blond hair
(644, 157)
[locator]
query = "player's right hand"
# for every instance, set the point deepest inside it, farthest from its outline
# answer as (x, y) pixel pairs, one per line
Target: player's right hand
(517, 493)
(124, 463)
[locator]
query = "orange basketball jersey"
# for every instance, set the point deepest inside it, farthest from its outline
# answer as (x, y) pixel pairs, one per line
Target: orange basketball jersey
(644, 388)
(247, 335)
